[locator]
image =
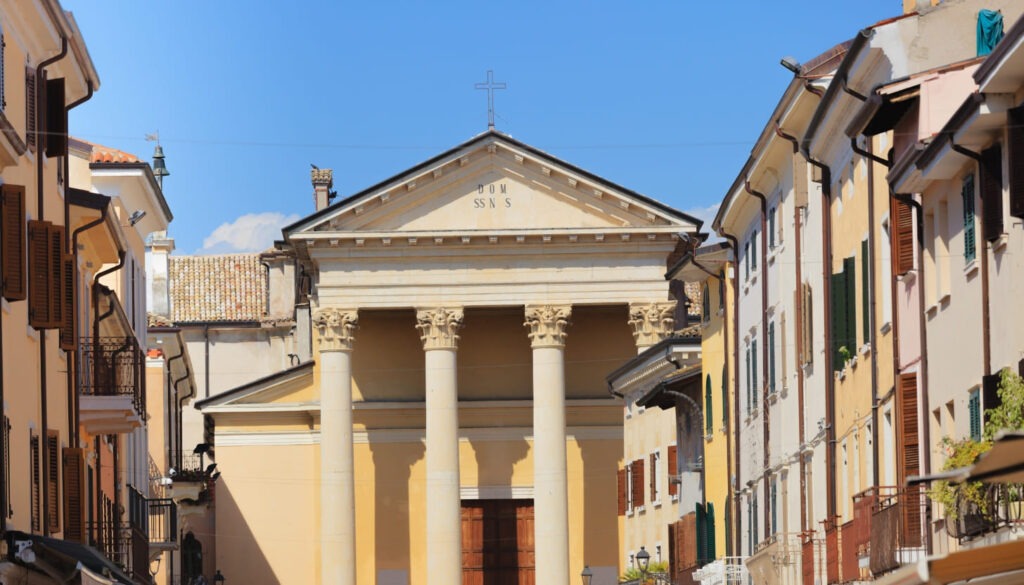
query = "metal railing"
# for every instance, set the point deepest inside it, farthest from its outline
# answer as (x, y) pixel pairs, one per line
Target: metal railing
(163, 521)
(1000, 505)
(897, 528)
(113, 366)
(188, 466)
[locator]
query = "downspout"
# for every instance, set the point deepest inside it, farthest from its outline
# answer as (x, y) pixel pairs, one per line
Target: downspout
(266, 305)
(40, 211)
(765, 383)
(735, 472)
(206, 367)
(97, 318)
(986, 323)
(170, 404)
(799, 306)
(872, 301)
(181, 406)
(76, 360)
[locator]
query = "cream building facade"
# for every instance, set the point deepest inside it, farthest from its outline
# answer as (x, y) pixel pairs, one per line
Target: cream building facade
(433, 432)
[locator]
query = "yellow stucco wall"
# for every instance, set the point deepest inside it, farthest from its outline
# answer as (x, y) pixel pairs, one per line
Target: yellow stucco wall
(716, 452)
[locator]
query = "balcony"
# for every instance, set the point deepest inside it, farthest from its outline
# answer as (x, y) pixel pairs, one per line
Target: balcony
(126, 544)
(724, 571)
(112, 384)
(156, 518)
(776, 559)
(897, 528)
(999, 506)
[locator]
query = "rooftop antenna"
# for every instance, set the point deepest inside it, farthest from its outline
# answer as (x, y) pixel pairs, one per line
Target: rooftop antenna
(490, 85)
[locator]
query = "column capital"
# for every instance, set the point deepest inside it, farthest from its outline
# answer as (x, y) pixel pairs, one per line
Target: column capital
(547, 324)
(336, 328)
(439, 326)
(651, 322)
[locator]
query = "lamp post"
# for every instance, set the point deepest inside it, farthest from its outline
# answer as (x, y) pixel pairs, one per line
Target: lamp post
(586, 575)
(643, 559)
(218, 578)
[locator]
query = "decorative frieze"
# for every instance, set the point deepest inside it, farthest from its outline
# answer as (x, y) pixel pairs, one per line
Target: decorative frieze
(439, 327)
(336, 328)
(651, 322)
(547, 324)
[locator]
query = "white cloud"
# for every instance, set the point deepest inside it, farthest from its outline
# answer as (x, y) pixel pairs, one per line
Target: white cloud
(252, 232)
(707, 215)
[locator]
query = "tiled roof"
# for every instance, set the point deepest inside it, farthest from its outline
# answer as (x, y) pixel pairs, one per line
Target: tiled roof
(105, 154)
(217, 288)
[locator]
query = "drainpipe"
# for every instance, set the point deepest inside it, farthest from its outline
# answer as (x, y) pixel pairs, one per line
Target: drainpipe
(765, 418)
(986, 323)
(170, 404)
(799, 306)
(870, 288)
(75, 386)
(734, 242)
(206, 367)
(181, 406)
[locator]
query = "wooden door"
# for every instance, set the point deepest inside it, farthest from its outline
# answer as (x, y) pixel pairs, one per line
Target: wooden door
(497, 542)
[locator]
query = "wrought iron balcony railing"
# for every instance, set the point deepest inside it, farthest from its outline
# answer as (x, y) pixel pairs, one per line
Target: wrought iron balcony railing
(999, 506)
(113, 366)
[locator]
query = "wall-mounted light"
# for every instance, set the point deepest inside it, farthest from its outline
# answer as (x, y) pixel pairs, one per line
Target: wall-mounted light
(791, 64)
(136, 217)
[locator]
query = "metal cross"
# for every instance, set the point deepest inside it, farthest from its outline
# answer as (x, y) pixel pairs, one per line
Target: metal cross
(490, 86)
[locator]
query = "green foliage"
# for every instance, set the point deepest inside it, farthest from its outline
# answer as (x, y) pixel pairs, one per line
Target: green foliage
(1009, 415)
(633, 573)
(845, 354)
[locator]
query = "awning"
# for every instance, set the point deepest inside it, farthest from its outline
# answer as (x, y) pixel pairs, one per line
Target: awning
(71, 561)
(992, 565)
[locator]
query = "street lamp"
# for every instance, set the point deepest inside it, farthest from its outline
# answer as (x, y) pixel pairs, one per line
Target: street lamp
(218, 578)
(643, 558)
(586, 575)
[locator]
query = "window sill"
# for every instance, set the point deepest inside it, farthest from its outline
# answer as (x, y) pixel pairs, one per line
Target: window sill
(886, 327)
(656, 503)
(932, 310)
(708, 438)
(908, 277)
(865, 350)
(640, 509)
(630, 512)
(999, 245)
(971, 268)
(721, 311)
(674, 497)
(944, 301)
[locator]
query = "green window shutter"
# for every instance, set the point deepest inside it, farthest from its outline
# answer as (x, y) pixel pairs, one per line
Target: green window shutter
(753, 371)
(865, 292)
(850, 269)
(709, 421)
(753, 250)
(725, 396)
(838, 316)
(728, 526)
(705, 303)
(755, 530)
(967, 194)
(771, 229)
(771, 357)
(710, 520)
(974, 413)
(749, 391)
(746, 260)
(775, 526)
(750, 526)
(702, 538)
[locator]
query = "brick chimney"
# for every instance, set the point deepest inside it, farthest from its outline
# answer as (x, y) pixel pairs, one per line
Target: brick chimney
(323, 180)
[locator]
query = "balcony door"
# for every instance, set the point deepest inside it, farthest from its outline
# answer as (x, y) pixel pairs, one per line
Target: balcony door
(497, 542)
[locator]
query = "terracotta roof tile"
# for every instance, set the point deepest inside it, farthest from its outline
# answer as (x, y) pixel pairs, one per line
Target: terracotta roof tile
(106, 154)
(217, 288)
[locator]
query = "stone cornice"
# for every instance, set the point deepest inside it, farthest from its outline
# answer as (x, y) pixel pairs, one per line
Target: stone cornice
(336, 328)
(547, 324)
(661, 235)
(651, 322)
(439, 327)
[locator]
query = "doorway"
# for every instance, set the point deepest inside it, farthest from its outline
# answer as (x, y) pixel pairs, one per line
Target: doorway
(497, 542)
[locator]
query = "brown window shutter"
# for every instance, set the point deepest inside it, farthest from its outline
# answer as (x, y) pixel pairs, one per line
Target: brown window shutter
(673, 567)
(55, 266)
(1015, 156)
(654, 478)
(12, 257)
(74, 495)
(30, 108)
(903, 242)
(673, 470)
(991, 179)
(36, 495)
(53, 480)
(622, 491)
(38, 274)
(638, 483)
(56, 118)
(67, 327)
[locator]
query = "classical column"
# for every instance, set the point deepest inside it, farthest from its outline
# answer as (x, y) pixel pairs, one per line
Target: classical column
(438, 331)
(337, 488)
(651, 322)
(551, 496)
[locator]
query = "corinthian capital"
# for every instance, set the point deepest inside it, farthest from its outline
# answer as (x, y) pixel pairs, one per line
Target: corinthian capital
(439, 327)
(336, 327)
(651, 322)
(547, 324)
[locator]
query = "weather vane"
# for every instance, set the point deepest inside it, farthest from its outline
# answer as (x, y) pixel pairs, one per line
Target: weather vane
(490, 85)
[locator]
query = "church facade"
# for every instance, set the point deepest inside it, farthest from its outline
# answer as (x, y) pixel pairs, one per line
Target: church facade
(454, 424)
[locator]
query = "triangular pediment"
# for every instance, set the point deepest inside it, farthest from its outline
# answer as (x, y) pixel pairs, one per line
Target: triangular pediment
(493, 183)
(289, 388)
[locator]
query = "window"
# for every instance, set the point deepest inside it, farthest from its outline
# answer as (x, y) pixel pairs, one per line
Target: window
(990, 179)
(865, 292)
(3, 93)
(746, 261)
(1015, 157)
(36, 490)
(705, 303)
(725, 396)
(967, 194)
(974, 413)
(755, 526)
(709, 421)
(673, 472)
(753, 372)
(844, 314)
(753, 250)
(53, 481)
(771, 228)
(771, 357)
(749, 388)
(12, 248)
(886, 261)
(5, 473)
(774, 528)
(807, 325)
(721, 289)
(903, 240)
(655, 464)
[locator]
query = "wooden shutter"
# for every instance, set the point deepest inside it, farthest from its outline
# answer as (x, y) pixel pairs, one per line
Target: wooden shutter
(907, 440)
(74, 495)
(637, 470)
(838, 314)
(701, 533)
(55, 265)
(970, 237)
(903, 237)
(56, 119)
(67, 327)
(12, 256)
(974, 415)
(771, 357)
(710, 532)
(1015, 158)
(622, 491)
(807, 325)
(31, 118)
(850, 269)
(53, 481)
(673, 558)
(991, 179)
(46, 274)
(673, 470)
(865, 292)
(754, 388)
(36, 491)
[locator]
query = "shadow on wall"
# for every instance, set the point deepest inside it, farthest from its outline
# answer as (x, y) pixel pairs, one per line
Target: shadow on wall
(239, 556)
(600, 521)
(392, 470)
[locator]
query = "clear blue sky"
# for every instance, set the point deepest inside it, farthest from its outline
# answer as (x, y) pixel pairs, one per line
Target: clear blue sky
(665, 97)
